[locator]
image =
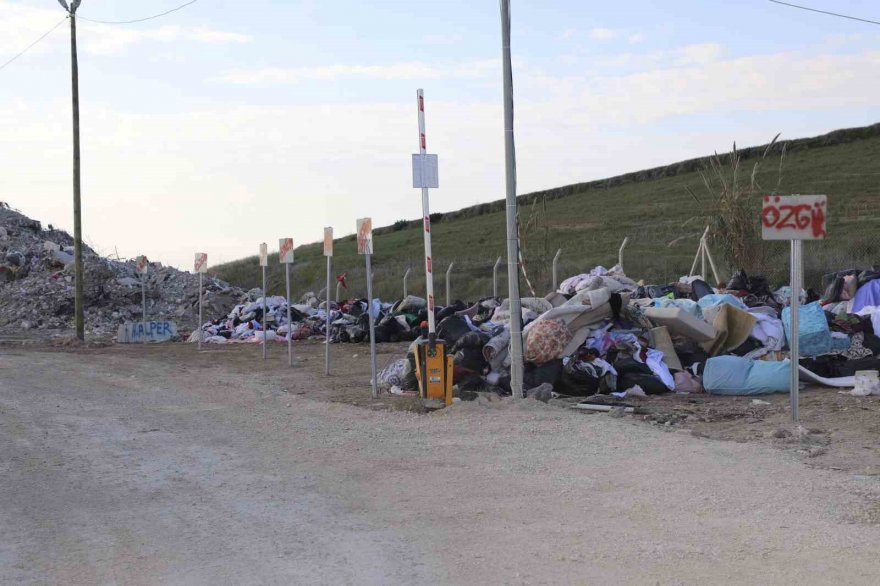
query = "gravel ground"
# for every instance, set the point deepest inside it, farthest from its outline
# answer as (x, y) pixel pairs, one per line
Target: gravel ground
(165, 465)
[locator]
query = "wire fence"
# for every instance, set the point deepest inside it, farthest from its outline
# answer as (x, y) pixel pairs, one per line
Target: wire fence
(470, 279)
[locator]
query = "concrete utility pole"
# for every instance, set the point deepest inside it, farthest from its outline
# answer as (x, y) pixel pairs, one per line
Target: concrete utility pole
(79, 318)
(516, 341)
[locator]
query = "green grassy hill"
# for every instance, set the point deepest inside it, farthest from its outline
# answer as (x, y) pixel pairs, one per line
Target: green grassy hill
(655, 208)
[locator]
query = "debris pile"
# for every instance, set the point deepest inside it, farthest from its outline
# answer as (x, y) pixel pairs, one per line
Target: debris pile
(602, 333)
(349, 321)
(37, 284)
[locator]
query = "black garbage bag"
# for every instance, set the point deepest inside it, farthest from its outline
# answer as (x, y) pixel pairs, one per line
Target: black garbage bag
(471, 359)
(738, 281)
(630, 373)
(700, 289)
(389, 330)
(450, 310)
(535, 376)
(451, 329)
(577, 382)
(471, 340)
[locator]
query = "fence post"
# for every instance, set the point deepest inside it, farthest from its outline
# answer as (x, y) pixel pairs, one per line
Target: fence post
(556, 269)
(449, 284)
(495, 277)
(620, 254)
(405, 279)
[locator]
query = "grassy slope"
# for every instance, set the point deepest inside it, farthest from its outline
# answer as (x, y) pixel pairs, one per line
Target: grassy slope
(588, 221)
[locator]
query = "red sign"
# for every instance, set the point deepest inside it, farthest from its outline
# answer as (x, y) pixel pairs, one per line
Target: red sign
(142, 265)
(201, 262)
(794, 217)
(285, 250)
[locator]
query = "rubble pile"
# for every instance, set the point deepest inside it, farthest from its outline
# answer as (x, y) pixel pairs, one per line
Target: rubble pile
(37, 284)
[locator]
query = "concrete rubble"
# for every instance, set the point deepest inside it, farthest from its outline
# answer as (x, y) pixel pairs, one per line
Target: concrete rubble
(37, 285)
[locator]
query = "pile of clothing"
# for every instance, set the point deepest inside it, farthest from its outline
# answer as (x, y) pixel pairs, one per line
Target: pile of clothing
(248, 322)
(604, 333)
(349, 321)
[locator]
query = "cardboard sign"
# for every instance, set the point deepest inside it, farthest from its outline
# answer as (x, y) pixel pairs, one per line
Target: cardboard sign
(285, 251)
(328, 241)
(794, 217)
(264, 255)
(365, 236)
(142, 265)
(201, 264)
(425, 171)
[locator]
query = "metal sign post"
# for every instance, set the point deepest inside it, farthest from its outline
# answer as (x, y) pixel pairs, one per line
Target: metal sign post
(795, 218)
(285, 256)
(328, 252)
(142, 267)
(425, 176)
(365, 248)
(201, 267)
(264, 263)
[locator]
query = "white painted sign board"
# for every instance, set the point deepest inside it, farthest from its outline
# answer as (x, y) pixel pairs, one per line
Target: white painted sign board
(365, 235)
(794, 217)
(425, 171)
(328, 241)
(201, 263)
(285, 251)
(264, 255)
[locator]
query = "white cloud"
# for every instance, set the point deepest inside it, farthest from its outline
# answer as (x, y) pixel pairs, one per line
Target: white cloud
(107, 39)
(568, 34)
(703, 53)
(442, 39)
(405, 70)
(206, 35)
(604, 34)
(635, 38)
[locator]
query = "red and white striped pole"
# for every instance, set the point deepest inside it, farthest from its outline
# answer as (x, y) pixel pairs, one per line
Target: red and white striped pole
(429, 268)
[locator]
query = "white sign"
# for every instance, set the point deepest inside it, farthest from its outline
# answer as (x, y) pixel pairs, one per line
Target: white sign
(365, 236)
(142, 265)
(201, 264)
(328, 241)
(264, 255)
(794, 217)
(425, 171)
(285, 251)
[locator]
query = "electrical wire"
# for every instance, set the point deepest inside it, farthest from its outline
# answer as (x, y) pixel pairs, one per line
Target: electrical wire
(825, 12)
(181, 7)
(32, 45)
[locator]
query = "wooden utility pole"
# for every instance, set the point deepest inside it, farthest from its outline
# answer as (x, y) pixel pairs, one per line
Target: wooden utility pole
(79, 317)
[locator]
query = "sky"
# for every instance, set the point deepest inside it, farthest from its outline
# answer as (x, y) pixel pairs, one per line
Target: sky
(230, 123)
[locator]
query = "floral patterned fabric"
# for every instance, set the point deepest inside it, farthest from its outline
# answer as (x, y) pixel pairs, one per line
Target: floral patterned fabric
(547, 341)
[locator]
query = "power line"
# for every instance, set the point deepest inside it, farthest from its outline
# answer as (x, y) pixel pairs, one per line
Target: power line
(32, 45)
(181, 7)
(825, 12)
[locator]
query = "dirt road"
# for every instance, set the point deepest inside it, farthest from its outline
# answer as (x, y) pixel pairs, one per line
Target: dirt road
(157, 466)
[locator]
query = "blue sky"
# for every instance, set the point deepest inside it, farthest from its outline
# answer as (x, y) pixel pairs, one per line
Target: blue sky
(229, 123)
